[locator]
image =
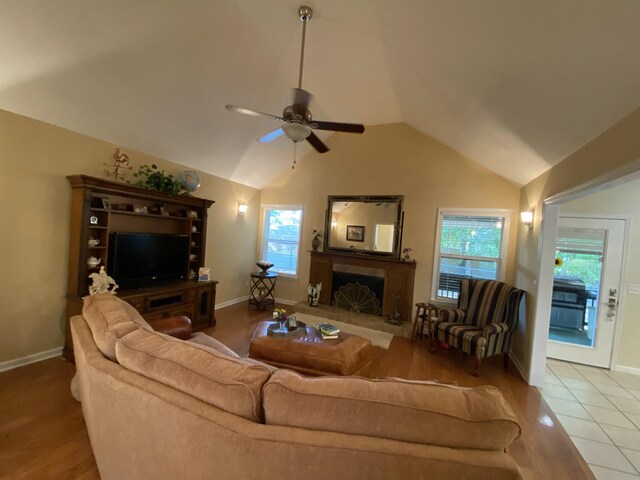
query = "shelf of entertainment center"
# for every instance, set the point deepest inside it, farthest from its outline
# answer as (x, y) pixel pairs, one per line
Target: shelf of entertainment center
(152, 215)
(95, 215)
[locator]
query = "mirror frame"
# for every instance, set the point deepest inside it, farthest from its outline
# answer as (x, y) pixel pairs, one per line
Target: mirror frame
(399, 221)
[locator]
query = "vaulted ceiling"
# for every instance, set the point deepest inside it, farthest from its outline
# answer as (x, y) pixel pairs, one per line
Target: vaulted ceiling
(514, 85)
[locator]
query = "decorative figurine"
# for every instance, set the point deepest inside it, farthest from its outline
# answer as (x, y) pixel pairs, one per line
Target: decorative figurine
(120, 166)
(314, 293)
(315, 239)
(93, 262)
(395, 317)
(102, 283)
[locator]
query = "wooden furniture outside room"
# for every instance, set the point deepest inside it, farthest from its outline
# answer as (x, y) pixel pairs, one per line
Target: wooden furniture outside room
(262, 293)
(398, 278)
(101, 207)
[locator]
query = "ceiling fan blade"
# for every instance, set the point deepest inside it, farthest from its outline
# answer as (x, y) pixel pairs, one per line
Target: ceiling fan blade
(301, 98)
(271, 136)
(247, 111)
(338, 127)
(317, 143)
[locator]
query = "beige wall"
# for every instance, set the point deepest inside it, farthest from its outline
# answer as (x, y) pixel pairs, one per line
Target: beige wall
(390, 159)
(617, 147)
(35, 157)
(621, 200)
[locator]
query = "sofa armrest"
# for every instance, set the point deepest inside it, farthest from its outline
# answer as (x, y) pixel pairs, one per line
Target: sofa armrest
(495, 328)
(179, 327)
(451, 315)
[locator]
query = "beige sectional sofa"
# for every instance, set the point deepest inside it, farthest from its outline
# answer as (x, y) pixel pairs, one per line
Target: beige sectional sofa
(157, 407)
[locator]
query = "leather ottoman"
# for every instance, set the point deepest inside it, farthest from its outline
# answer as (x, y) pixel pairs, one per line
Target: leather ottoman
(309, 354)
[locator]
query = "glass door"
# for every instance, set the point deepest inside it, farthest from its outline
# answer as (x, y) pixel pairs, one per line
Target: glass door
(586, 287)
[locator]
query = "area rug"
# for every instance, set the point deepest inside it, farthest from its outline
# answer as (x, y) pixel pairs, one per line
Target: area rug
(379, 339)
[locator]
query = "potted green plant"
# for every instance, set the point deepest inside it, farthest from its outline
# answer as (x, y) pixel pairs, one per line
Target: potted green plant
(151, 178)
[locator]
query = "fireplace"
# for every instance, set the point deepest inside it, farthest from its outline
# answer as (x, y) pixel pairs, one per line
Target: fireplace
(358, 289)
(391, 280)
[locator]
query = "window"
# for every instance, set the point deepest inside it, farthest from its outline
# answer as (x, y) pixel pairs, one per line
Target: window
(469, 244)
(581, 252)
(281, 238)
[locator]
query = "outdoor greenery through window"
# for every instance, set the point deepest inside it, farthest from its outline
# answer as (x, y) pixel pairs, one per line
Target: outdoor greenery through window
(580, 252)
(471, 246)
(281, 238)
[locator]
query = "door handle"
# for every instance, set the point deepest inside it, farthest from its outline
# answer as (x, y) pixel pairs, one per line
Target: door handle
(612, 306)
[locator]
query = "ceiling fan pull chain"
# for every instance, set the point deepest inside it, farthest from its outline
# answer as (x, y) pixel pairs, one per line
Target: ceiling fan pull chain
(297, 122)
(295, 148)
(305, 16)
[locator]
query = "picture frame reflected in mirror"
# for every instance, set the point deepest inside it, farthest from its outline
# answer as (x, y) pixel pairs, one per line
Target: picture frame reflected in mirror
(355, 233)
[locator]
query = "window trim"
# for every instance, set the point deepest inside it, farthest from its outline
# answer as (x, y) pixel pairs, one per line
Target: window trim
(477, 212)
(263, 235)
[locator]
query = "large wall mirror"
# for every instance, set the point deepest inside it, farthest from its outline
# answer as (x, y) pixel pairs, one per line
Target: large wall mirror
(364, 224)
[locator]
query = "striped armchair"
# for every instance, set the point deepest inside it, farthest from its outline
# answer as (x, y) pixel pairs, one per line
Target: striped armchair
(484, 321)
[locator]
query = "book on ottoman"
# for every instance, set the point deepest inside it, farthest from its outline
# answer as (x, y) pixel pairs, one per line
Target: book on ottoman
(328, 330)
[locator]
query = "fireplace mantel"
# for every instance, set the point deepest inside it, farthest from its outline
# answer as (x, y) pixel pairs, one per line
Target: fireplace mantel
(398, 278)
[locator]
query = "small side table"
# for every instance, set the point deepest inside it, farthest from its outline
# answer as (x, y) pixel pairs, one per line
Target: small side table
(425, 312)
(262, 292)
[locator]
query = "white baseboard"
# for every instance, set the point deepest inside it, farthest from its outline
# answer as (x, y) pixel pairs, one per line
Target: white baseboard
(36, 357)
(284, 301)
(521, 370)
(228, 303)
(624, 369)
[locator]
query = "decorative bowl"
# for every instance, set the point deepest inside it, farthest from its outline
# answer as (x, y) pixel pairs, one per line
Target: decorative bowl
(264, 266)
(189, 180)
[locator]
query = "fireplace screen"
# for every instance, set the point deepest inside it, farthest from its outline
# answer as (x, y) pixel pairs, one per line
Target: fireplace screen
(357, 298)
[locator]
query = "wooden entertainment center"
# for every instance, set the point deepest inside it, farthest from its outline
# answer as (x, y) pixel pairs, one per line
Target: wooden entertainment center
(101, 207)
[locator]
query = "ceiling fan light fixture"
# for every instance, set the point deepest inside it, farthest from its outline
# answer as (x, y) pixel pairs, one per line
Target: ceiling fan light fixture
(297, 120)
(296, 132)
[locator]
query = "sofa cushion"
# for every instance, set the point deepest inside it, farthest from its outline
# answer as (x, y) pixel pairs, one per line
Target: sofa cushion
(210, 342)
(110, 319)
(412, 411)
(228, 383)
(204, 339)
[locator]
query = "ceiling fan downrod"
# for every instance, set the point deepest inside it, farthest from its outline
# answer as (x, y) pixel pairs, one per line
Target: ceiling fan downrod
(305, 15)
(297, 123)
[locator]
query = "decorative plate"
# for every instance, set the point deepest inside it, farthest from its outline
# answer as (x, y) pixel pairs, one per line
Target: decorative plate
(189, 180)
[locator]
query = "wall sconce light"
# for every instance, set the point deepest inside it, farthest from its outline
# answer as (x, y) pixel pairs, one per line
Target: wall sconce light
(242, 209)
(334, 223)
(527, 218)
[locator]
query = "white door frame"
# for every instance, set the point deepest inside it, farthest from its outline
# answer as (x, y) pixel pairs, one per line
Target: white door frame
(623, 270)
(546, 254)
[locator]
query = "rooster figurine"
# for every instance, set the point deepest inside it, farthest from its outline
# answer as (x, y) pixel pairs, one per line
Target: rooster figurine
(120, 165)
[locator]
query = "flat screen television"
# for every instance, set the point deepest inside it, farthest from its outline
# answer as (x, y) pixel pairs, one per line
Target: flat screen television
(146, 259)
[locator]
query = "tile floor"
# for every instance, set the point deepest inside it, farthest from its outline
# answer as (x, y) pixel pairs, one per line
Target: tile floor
(600, 410)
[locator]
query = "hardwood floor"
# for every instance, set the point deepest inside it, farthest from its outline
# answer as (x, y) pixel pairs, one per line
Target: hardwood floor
(43, 436)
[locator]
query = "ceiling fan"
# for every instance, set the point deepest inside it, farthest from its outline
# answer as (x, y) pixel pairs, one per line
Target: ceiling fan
(297, 122)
